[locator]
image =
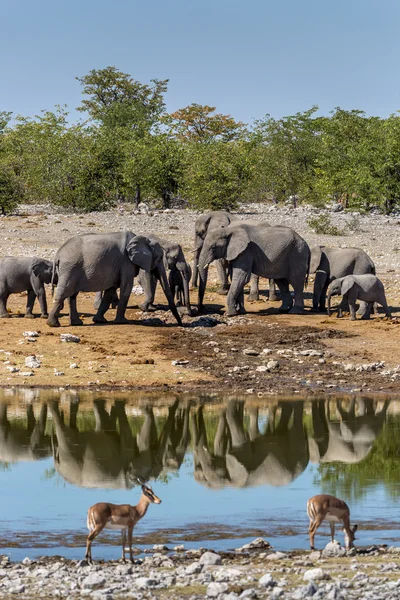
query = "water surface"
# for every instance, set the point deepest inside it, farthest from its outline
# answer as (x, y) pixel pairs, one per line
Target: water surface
(227, 469)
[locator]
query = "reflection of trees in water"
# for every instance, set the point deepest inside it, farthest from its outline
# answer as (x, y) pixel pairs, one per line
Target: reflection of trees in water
(366, 455)
(235, 444)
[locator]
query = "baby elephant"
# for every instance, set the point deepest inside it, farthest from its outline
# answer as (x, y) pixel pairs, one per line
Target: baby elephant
(175, 280)
(20, 274)
(358, 287)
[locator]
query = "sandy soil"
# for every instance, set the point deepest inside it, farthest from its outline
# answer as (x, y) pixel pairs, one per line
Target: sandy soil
(140, 355)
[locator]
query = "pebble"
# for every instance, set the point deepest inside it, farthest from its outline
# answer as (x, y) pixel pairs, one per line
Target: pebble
(30, 334)
(69, 337)
(32, 362)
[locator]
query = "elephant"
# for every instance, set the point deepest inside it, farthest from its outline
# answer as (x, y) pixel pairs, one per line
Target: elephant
(367, 288)
(203, 224)
(18, 443)
(350, 439)
(20, 274)
(178, 277)
(332, 263)
(243, 458)
(92, 262)
(275, 252)
(174, 260)
(176, 284)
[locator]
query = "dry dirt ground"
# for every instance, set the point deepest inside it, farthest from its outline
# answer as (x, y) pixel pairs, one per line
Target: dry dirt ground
(314, 353)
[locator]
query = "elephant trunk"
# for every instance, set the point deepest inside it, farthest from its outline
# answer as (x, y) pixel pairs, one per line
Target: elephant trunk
(166, 289)
(195, 276)
(185, 270)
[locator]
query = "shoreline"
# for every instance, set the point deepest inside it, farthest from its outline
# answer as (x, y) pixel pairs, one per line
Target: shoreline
(259, 572)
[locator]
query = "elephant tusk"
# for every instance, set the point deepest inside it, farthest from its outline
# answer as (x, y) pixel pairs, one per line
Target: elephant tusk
(205, 266)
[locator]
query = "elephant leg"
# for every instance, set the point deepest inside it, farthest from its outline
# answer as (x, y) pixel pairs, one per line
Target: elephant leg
(239, 280)
(30, 301)
(149, 284)
(97, 300)
(362, 308)
(240, 309)
(58, 305)
(125, 292)
(287, 300)
(74, 318)
(254, 293)
(382, 301)
(106, 299)
(272, 291)
(223, 277)
(41, 295)
(366, 315)
(3, 306)
(352, 311)
(319, 292)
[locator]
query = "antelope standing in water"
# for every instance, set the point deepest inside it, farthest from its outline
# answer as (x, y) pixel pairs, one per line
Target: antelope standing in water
(118, 516)
(328, 508)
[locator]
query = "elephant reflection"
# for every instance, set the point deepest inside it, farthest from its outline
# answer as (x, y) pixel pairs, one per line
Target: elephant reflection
(245, 458)
(18, 443)
(112, 456)
(349, 439)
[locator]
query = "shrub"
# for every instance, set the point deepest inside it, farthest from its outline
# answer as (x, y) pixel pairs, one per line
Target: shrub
(322, 224)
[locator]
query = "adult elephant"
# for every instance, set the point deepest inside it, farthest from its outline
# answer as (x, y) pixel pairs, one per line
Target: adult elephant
(208, 222)
(204, 223)
(179, 274)
(105, 261)
(275, 252)
(332, 263)
(25, 274)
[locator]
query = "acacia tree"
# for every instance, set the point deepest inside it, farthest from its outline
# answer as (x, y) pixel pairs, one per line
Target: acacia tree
(198, 123)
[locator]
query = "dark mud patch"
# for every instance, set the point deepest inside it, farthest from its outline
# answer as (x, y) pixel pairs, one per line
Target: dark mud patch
(305, 362)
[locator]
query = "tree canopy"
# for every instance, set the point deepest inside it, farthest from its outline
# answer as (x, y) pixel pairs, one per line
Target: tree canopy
(128, 147)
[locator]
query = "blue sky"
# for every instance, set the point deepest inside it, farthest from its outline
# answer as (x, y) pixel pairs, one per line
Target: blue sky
(246, 57)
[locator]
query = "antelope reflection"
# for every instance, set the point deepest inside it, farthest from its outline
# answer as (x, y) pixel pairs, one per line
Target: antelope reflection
(243, 458)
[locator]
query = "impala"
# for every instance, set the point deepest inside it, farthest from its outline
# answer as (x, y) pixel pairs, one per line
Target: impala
(328, 508)
(118, 516)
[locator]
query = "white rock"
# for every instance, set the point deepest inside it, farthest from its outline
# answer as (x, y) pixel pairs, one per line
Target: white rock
(250, 352)
(210, 558)
(334, 549)
(267, 351)
(194, 567)
(93, 581)
(145, 582)
(315, 574)
(30, 334)
(214, 589)
(12, 369)
(69, 337)
(58, 373)
(273, 365)
(32, 362)
(276, 556)
(73, 366)
(26, 373)
(262, 368)
(179, 362)
(267, 580)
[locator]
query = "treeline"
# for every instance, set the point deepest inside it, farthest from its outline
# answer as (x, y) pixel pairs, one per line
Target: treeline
(130, 149)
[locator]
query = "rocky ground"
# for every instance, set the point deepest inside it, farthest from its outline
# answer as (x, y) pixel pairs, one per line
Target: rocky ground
(253, 571)
(262, 352)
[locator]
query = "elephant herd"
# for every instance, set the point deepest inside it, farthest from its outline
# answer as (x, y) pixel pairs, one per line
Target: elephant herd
(239, 447)
(244, 250)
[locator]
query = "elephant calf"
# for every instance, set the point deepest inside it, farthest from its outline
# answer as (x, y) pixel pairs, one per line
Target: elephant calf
(367, 288)
(24, 274)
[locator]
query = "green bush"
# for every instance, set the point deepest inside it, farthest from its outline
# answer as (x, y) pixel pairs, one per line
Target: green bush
(322, 224)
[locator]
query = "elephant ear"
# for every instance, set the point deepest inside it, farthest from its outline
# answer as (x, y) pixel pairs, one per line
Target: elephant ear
(316, 255)
(42, 269)
(140, 253)
(238, 242)
(347, 284)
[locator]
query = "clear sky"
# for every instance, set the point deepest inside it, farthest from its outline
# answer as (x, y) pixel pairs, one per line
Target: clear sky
(246, 57)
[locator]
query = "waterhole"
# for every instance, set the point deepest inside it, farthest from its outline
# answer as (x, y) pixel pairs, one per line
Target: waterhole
(227, 469)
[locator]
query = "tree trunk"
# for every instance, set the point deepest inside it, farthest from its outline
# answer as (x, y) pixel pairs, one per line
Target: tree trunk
(137, 195)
